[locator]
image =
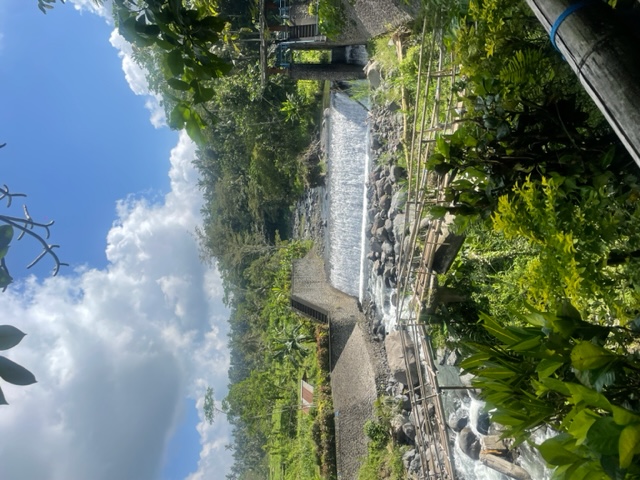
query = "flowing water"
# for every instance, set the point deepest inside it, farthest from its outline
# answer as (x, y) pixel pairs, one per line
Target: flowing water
(348, 160)
(350, 272)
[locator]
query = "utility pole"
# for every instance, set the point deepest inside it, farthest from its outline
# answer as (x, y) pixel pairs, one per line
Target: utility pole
(604, 53)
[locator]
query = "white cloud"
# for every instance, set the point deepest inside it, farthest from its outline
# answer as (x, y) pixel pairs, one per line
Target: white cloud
(102, 9)
(117, 350)
(136, 78)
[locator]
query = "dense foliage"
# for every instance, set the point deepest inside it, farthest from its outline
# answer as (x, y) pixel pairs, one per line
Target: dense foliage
(548, 199)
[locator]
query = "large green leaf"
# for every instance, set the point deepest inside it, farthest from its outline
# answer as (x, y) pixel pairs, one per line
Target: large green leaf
(555, 452)
(526, 344)
(581, 424)
(178, 84)
(6, 234)
(175, 62)
(622, 416)
(503, 334)
(13, 373)
(475, 361)
(603, 436)
(629, 444)
(547, 366)
(589, 396)
(10, 336)
(587, 356)
(497, 372)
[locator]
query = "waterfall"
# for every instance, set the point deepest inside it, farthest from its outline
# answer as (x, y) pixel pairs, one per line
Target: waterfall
(347, 159)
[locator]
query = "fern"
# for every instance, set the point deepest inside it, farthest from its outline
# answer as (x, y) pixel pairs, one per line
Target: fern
(526, 72)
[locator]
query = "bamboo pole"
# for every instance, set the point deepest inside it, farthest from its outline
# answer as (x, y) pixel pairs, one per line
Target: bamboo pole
(605, 56)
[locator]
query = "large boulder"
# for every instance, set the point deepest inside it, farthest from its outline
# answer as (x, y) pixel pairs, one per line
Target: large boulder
(469, 443)
(398, 358)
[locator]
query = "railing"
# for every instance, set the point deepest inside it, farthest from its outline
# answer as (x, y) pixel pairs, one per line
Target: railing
(433, 115)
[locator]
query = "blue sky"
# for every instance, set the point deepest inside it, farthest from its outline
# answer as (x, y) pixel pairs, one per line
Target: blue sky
(126, 339)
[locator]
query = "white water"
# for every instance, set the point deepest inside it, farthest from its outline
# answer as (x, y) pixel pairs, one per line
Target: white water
(348, 157)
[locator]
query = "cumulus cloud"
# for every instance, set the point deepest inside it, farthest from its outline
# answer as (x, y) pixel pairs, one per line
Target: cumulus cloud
(101, 8)
(117, 350)
(136, 78)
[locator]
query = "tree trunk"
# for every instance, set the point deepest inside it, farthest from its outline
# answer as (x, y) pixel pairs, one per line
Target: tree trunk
(605, 56)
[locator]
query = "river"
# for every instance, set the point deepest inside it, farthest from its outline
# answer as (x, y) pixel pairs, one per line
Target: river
(348, 165)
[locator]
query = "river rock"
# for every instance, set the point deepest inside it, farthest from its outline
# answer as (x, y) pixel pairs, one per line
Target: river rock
(396, 173)
(469, 443)
(385, 203)
(409, 432)
(387, 248)
(483, 423)
(397, 429)
(403, 401)
(396, 357)
(399, 227)
(372, 71)
(408, 457)
(398, 201)
(458, 421)
(377, 223)
(382, 236)
(375, 246)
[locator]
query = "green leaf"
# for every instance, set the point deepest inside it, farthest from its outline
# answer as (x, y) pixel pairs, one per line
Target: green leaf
(546, 367)
(497, 372)
(16, 374)
(6, 234)
(5, 278)
(474, 361)
(527, 344)
(622, 416)
(175, 62)
(629, 444)
(176, 120)
(10, 336)
(587, 356)
(194, 131)
(580, 393)
(581, 424)
(503, 130)
(178, 84)
(554, 451)
(3, 401)
(556, 385)
(443, 146)
(603, 436)
(503, 334)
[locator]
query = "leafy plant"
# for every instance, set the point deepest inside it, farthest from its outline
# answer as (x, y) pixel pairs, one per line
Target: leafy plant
(577, 230)
(10, 371)
(574, 375)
